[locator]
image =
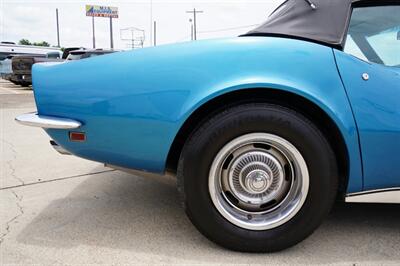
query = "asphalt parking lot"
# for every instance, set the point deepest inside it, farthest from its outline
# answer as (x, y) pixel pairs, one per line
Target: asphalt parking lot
(59, 209)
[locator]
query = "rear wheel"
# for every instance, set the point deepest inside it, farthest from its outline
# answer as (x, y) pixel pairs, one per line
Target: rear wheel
(257, 177)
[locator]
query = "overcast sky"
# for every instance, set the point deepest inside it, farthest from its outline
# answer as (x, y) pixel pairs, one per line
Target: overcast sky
(35, 20)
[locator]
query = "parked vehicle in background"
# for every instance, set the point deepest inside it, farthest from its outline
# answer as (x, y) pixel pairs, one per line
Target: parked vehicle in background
(9, 48)
(22, 66)
(6, 68)
(68, 50)
(87, 53)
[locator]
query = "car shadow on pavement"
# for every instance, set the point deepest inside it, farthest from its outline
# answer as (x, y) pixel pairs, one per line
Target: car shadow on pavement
(121, 211)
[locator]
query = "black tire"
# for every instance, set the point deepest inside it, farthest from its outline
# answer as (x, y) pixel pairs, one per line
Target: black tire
(212, 135)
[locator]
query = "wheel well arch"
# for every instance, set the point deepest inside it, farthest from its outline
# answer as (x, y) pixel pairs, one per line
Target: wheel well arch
(274, 96)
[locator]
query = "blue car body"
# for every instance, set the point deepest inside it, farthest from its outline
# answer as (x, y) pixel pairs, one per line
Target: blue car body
(133, 104)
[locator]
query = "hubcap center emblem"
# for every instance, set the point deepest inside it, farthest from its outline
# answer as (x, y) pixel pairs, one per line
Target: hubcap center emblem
(257, 181)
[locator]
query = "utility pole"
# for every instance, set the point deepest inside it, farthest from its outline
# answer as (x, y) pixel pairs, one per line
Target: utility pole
(58, 29)
(111, 34)
(155, 34)
(94, 38)
(194, 12)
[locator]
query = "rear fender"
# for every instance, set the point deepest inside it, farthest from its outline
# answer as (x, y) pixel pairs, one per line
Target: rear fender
(133, 104)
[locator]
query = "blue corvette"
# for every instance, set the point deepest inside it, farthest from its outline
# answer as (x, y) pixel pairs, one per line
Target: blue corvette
(263, 131)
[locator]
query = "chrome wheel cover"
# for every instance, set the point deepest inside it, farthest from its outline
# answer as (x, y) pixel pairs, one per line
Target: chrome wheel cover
(258, 181)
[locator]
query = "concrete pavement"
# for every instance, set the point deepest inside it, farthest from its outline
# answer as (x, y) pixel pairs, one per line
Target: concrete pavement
(57, 209)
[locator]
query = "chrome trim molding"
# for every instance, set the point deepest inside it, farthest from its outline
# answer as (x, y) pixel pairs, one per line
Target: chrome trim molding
(142, 173)
(388, 195)
(58, 148)
(36, 120)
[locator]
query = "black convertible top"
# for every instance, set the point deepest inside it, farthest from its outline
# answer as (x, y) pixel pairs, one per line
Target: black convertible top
(322, 21)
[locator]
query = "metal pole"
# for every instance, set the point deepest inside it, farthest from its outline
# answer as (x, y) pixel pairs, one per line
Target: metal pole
(111, 34)
(94, 38)
(191, 32)
(155, 33)
(194, 23)
(58, 29)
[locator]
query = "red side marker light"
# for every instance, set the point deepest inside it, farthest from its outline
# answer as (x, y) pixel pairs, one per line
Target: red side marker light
(77, 136)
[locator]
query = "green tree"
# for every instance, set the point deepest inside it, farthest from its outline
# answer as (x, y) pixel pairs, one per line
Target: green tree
(42, 43)
(27, 42)
(24, 42)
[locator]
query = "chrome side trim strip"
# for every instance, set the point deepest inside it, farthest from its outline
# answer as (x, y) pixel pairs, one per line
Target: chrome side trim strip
(36, 120)
(58, 148)
(142, 173)
(389, 195)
